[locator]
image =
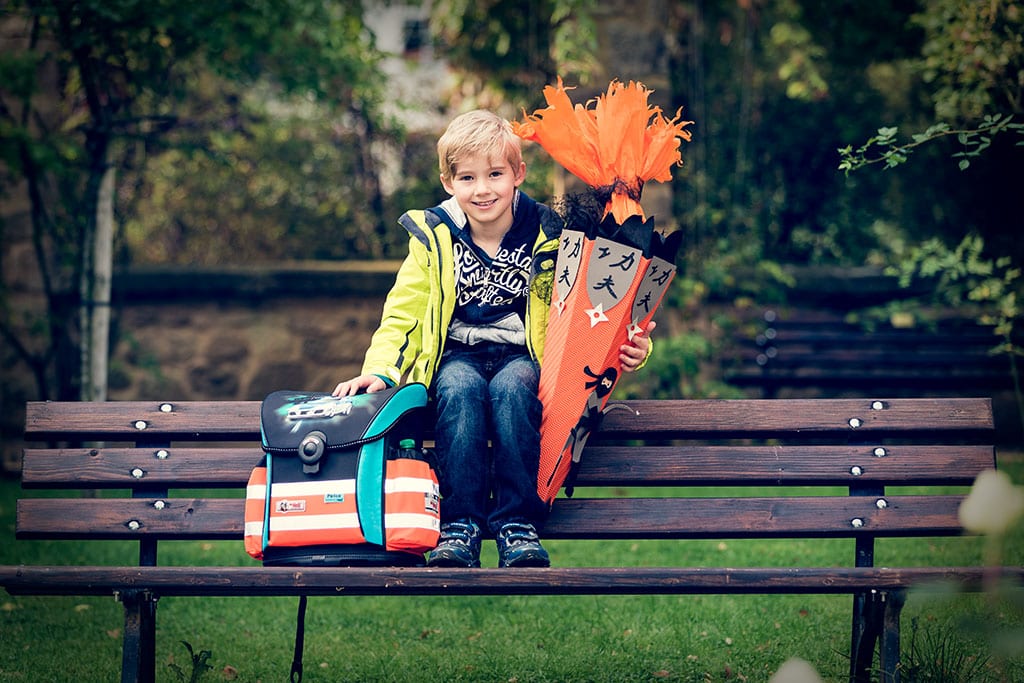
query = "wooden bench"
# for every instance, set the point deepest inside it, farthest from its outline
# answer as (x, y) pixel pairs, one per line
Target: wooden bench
(821, 351)
(153, 450)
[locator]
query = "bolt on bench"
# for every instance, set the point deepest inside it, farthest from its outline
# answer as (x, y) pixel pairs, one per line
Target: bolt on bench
(153, 450)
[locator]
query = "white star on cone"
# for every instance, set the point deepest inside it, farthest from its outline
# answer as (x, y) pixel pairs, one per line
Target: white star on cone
(596, 315)
(633, 329)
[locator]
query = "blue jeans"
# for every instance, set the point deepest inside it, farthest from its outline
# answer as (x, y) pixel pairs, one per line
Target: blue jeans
(488, 391)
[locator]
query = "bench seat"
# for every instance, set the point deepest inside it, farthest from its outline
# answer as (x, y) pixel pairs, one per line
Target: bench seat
(856, 469)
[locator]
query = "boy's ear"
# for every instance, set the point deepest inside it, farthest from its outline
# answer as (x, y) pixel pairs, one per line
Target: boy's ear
(521, 173)
(446, 185)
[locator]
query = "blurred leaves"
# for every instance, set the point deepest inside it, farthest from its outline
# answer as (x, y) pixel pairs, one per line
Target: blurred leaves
(512, 50)
(286, 186)
(974, 56)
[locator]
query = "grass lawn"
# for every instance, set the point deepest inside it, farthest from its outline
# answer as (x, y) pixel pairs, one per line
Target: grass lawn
(579, 638)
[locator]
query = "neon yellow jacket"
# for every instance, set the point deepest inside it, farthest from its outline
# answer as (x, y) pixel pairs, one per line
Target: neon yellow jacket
(419, 307)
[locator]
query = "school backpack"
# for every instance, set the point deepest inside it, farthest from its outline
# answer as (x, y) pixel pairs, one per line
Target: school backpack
(343, 481)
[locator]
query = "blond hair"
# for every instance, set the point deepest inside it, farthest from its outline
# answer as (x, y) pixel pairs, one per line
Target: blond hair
(477, 132)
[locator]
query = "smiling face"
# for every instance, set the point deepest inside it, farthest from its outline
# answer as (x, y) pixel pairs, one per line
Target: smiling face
(484, 186)
(481, 165)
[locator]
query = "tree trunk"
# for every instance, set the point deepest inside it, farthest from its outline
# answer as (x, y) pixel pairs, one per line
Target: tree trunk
(96, 295)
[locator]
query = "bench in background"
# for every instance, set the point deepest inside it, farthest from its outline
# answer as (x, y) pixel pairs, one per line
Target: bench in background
(816, 350)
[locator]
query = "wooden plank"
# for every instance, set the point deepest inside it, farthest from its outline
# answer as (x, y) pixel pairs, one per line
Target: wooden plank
(738, 418)
(783, 465)
(340, 581)
(685, 465)
(770, 418)
(627, 518)
(142, 420)
(172, 467)
(765, 517)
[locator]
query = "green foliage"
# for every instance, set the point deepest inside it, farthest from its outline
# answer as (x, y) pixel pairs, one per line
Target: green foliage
(574, 39)
(884, 148)
(936, 653)
(676, 369)
(967, 74)
(512, 50)
(972, 59)
(966, 278)
(799, 55)
(683, 363)
(287, 187)
(199, 665)
(972, 56)
(99, 83)
(761, 80)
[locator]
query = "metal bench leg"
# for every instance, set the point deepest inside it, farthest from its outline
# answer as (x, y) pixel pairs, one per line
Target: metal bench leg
(867, 630)
(889, 648)
(138, 658)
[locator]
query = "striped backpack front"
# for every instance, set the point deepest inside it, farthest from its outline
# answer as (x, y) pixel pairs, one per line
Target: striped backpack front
(343, 481)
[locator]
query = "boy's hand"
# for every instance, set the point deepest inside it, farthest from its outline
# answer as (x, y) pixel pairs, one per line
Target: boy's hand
(632, 354)
(369, 383)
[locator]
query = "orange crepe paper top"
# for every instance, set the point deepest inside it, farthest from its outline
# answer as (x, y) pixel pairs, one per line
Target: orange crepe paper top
(616, 143)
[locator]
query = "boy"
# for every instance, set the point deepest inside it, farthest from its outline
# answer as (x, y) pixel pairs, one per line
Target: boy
(463, 319)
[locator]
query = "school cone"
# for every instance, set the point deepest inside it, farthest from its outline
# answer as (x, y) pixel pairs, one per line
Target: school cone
(611, 271)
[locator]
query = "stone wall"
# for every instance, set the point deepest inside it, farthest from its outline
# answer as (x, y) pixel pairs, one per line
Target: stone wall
(183, 334)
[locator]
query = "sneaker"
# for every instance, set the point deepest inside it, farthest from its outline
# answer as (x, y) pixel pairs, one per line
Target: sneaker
(459, 545)
(519, 546)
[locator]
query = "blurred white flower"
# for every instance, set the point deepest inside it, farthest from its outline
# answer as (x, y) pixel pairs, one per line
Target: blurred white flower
(795, 670)
(993, 504)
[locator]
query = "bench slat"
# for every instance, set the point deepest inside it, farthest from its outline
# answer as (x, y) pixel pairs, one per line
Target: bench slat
(143, 420)
(284, 581)
(783, 465)
(178, 467)
(238, 420)
(205, 467)
(783, 517)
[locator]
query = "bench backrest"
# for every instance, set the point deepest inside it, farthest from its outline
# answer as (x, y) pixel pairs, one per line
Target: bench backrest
(845, 454)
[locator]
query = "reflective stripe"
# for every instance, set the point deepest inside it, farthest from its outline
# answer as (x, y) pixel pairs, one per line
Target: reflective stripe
(256, 491)
(409, 485)
(411, 520)
(307, 522)
(299, 489)
(255, 511)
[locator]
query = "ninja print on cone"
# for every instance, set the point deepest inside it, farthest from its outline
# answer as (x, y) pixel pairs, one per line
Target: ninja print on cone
(611, 272)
